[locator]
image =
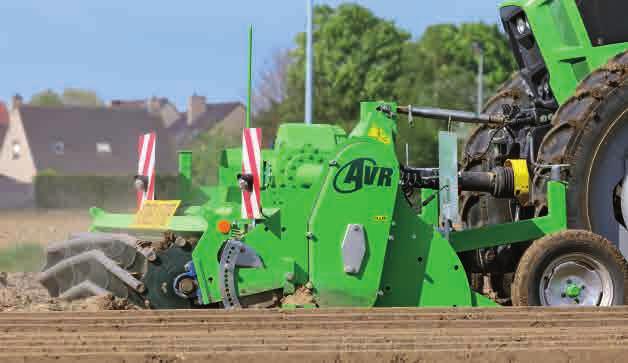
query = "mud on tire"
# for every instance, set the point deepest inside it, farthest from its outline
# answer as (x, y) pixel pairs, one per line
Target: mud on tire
(590, 133)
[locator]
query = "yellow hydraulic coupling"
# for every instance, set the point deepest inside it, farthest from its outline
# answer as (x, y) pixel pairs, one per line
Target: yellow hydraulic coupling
(522, 179)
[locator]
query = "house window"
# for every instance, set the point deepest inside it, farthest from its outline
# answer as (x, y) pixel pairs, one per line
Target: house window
(58, 148)
(16, 150)
(103, 147)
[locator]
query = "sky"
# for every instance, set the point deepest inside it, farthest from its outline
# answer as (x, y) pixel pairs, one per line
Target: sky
(140, 48)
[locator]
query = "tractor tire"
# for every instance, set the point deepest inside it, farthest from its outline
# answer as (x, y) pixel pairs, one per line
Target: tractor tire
(570, 268)
(478, 157)
(590, 133)
(480, 209)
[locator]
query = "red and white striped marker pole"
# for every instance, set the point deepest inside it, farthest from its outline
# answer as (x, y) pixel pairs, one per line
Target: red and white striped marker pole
(250, 178)
(146, 167)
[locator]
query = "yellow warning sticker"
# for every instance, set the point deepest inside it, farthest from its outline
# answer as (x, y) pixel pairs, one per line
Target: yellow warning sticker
(380, 218)
(378, 134)
(155, 214)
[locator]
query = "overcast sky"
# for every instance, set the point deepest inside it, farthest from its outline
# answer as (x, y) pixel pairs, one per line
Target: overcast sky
(138, 48)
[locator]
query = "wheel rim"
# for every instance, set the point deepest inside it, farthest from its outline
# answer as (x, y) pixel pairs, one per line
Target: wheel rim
(576, 280)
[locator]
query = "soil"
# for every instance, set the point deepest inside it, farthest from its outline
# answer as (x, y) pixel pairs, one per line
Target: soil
(301, 297)
(37, 328)
(318, 335)
(40, 226)
(22, 292)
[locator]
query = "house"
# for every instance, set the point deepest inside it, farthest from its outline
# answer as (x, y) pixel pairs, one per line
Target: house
(225, 118)
(101, 141)
(4, 121)
(158, 106)
(79, 141)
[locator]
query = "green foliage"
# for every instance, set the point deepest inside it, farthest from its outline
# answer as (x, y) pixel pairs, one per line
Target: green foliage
(81, 97)
(269, 120)
(440, 70)
(357, 57)
(21, 257)
(47, 98)
(47, 172)
(207, 149)
(69, 97)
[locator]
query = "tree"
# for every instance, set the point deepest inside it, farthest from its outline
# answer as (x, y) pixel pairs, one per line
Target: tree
(357, 57)
(207, 150)
(46, 98)
(81, 97)
(271, 84)
(69, 97)
(440, 67)
(440, 70)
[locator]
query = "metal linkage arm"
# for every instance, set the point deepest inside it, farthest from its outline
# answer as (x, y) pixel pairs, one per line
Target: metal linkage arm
(452, 115)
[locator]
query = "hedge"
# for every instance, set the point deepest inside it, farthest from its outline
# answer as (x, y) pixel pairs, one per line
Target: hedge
(115, 193)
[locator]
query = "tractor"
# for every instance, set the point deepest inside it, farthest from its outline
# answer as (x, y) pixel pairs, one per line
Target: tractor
(534, 214)
(567, 105)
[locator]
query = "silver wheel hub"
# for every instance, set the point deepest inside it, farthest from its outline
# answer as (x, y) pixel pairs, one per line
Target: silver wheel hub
(576, 280)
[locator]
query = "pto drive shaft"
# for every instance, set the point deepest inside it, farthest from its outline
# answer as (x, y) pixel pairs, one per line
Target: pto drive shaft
(499, 182)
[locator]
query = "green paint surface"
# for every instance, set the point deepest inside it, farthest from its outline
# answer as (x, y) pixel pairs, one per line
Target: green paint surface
(564, 43)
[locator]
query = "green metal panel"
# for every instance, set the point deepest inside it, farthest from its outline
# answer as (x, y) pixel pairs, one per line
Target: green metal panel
(185, 176)
(375, 124)
(526, 230)
(279, 239)
(103, 221)
(421, 268)
(360, 188)
(301, 150)
(448, 179)
(289, 189)
(564, 43)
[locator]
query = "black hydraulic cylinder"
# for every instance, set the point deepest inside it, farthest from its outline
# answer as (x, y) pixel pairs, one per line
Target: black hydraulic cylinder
(452, 115)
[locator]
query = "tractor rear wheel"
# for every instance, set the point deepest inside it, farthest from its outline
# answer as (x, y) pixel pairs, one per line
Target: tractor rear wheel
(570, 268)
(485, 149)
(590, 134)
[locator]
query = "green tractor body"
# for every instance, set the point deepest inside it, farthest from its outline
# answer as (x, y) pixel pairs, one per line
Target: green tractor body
(563, 41)
(565, 107)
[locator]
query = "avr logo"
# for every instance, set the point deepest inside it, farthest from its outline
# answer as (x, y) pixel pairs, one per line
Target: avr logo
(357, 173)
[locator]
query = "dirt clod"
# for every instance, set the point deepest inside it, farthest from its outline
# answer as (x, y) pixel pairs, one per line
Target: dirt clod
(302, 296)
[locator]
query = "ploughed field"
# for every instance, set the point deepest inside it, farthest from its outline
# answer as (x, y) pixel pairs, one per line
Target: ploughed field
(37, 328)
(356, 335)
(40, 226)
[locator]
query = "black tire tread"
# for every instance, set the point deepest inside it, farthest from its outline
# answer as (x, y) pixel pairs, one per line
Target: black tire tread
(573, 124)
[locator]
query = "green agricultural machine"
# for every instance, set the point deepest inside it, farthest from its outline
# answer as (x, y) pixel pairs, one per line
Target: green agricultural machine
(534, 213)
(337, 230)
